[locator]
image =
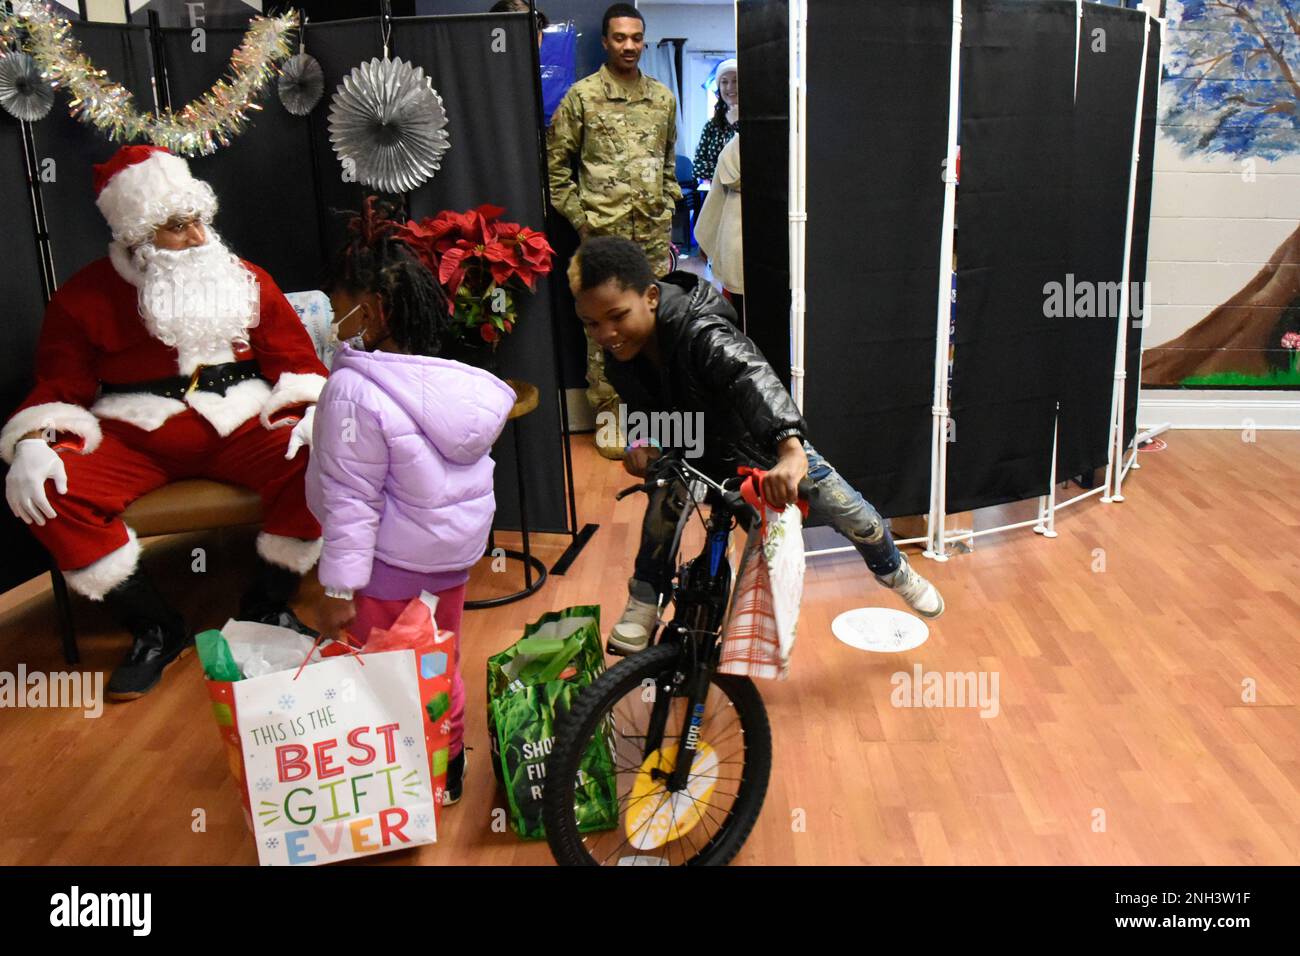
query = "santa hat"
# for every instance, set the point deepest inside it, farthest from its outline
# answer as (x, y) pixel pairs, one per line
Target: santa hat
(142, 187)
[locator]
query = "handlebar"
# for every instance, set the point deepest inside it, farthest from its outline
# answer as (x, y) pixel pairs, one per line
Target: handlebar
(680, 470)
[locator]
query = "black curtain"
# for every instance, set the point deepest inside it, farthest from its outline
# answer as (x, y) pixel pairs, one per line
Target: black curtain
(763, 55)
(23, 294)
(586, 15)
(1013, 239)
(1141, 234)
(493, 117)
(1110, 59)
(268, 209)
(872, 276)
(339, 46)
(78, 233)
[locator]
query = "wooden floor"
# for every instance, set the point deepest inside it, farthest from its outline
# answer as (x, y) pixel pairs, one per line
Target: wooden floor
(1122, 735)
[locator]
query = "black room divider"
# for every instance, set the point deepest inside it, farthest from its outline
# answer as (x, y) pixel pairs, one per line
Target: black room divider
(493, 119)
(22, 291)
(1013, 210)
(1110, 60)
(763, 52)
(78, 234)
(1042, 201)
(871, 276)
(267, 207)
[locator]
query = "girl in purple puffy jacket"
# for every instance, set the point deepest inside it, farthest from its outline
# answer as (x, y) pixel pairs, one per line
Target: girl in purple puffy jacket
(400, 476)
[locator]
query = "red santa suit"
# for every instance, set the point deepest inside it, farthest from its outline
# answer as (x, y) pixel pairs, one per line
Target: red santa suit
(118, 444)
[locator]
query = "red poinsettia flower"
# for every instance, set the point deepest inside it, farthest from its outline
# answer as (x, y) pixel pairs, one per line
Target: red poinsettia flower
(502, 259)
(535, 249)
(472, 251)
(477, 224)
(428, 237)
(533, 255)
(452, 266)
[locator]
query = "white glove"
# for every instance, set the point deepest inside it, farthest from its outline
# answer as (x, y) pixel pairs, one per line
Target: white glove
(35, 462)
(301, 434)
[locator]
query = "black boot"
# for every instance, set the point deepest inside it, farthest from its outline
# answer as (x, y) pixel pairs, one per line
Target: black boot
(160, 634)
(267, 598)
(455, 779)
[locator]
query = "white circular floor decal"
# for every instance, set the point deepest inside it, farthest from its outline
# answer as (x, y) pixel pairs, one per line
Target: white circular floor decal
(880, 629)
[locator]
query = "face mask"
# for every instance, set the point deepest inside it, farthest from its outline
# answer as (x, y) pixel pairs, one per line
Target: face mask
(357, 341)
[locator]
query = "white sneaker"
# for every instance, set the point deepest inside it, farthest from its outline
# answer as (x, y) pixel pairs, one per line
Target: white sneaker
(922, 596)
(633, 630)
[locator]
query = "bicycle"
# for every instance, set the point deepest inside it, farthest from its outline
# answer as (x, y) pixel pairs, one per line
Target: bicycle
(691, 812)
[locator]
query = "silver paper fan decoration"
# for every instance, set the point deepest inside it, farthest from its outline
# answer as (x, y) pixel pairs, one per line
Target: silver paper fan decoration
(388, 125)
(301, 84)
(24, 93)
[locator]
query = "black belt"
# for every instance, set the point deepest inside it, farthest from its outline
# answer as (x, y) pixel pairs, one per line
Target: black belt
(206, 378)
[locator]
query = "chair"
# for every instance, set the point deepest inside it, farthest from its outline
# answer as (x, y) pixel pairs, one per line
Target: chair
(688, 207)
(198, 504)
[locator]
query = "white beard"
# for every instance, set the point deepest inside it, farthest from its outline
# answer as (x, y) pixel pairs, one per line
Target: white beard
(200, 301)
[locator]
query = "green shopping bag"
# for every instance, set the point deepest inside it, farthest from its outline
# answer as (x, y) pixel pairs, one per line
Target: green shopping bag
(528, 685)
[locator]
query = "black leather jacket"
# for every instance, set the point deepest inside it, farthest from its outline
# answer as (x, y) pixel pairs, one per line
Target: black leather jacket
(710, 367)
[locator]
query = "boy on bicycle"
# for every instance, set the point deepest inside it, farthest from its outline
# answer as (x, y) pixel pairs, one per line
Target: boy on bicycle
(676, 349)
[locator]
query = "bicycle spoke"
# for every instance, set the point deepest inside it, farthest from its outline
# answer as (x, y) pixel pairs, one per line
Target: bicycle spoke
(627, 840)
(699, 819)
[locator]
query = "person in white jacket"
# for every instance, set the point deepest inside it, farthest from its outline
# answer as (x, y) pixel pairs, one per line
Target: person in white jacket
(718, 230)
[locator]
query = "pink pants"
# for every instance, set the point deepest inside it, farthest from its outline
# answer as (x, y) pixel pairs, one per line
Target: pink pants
(372, 613)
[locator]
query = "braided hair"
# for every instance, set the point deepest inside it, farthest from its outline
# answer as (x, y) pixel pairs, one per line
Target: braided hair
(374, 260)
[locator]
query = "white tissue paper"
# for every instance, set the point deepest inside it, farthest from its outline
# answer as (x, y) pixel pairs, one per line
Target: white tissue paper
(261, 649)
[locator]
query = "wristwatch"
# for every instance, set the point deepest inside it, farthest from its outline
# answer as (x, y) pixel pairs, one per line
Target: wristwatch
(785, 433)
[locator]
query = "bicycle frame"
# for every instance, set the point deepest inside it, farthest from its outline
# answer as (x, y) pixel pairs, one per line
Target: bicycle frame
(701, 596)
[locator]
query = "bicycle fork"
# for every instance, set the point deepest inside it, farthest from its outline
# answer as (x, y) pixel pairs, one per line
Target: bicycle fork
(690, 681)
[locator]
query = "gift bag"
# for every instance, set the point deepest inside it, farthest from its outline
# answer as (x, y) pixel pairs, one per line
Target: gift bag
(758, 637)
(335, 759)
(529, 684)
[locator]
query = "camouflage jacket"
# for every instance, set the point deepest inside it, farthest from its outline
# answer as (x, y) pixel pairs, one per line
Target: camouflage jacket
(624, 140)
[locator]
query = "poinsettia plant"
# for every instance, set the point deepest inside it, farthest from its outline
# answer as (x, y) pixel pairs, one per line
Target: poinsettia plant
(482, 263)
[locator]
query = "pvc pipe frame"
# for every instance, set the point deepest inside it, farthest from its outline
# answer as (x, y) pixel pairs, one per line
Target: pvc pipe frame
(798, 208)
(936, 539)
(1121, 338)
(944, 305)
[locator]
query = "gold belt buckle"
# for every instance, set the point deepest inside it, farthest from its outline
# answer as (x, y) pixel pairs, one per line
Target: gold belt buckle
(194, 380)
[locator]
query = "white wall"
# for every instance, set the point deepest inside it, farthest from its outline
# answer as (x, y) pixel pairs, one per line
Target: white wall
(707, 27)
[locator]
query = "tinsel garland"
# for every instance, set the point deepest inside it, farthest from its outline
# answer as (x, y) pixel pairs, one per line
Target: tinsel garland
(201, 127)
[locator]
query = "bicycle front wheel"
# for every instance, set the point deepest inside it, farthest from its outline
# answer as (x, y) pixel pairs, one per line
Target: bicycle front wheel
(641, 823)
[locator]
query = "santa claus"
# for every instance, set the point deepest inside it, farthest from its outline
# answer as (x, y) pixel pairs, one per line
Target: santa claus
(170, 358)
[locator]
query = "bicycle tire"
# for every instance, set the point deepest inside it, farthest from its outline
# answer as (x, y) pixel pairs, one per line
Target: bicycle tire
(574, 729)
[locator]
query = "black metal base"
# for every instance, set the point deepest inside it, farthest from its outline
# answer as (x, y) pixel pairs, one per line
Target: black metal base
(531, 584)
(66, 626)
(574, 549)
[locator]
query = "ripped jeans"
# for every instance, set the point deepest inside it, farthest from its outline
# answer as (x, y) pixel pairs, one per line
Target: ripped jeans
(832, 501)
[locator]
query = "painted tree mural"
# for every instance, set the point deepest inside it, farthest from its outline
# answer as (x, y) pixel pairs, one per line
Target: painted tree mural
(1232, 85)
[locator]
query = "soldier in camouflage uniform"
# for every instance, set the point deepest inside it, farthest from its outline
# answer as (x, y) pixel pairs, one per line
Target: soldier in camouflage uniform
(620, 127)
